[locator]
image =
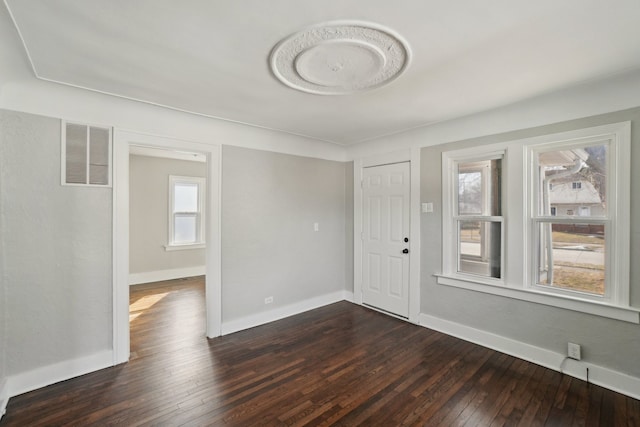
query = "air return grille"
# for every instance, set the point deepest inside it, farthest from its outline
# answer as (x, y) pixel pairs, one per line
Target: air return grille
(86, 155)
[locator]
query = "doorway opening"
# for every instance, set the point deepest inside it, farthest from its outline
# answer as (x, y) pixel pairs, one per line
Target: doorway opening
(191, 235)
(166, 246)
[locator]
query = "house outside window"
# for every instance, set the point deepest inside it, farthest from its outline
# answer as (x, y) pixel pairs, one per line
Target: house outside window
(571, 253)
(186, 212)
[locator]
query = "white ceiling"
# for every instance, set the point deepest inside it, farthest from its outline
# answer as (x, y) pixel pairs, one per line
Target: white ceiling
(211, 57)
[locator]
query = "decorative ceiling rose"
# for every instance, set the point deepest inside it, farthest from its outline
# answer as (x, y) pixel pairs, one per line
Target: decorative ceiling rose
(340, 58)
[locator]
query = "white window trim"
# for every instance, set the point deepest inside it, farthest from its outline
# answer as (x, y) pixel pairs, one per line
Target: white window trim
(518, 253)
(184, 246)
(200, 223)
(63, 155)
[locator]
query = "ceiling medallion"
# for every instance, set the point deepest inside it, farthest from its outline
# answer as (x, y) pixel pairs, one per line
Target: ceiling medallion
(340, 58)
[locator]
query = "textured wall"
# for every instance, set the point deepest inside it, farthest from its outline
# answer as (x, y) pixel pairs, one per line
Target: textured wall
(57, 259)
(606, 342)
(149, 215)
(269, 248)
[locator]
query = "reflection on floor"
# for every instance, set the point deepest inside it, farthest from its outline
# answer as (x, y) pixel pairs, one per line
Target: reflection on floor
(165, 315)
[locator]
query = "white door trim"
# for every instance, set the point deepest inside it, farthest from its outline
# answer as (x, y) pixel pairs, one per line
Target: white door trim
(122, 140)
(413, 157)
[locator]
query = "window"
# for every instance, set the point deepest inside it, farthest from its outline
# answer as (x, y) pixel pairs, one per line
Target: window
(571, 251)
(476, 226)
(86, 154)
(542, 219)
(186, 218)
(478, 220)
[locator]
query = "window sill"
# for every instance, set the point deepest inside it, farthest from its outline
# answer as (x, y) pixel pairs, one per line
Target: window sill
(170, 248)
(626, 314)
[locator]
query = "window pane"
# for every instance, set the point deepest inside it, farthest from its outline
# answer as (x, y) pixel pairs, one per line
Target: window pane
(99, 156)
(573, 181)
(572, 257)
(479, 188)
(184, 229)
(470, 193)
(480, 249)
(185, 197)
(76, 154)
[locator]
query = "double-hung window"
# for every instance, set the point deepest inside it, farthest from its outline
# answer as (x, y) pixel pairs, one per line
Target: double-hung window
(186, 212)
(475, 231)
(543, 219)
(576, 252)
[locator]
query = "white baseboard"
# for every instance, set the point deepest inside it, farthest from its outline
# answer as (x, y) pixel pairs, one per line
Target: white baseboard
(285, 311)
(599, 375)
(4, 397)
(51, 374)
(160, 275)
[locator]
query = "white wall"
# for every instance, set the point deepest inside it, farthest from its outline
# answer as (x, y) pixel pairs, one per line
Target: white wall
(608, 343)
(57, 258)
(149, 216)
(270, 203)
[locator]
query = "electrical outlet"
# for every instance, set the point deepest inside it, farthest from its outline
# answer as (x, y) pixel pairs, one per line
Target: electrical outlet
(268, 300)
(573, 351)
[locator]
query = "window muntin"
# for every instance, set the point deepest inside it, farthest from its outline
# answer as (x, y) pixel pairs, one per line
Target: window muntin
(186, 219)
(570, 247)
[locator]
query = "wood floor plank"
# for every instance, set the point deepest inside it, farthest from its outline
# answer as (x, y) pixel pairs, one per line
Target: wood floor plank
(340, 365)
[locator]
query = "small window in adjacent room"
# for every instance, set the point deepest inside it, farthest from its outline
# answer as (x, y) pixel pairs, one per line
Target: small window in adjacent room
(86, 155)
(186, 216)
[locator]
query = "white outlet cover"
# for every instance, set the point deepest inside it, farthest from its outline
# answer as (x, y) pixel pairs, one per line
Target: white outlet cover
(573, 351)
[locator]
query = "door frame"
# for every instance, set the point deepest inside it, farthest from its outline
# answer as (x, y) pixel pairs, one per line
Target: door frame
(122, 141)
(412, 156)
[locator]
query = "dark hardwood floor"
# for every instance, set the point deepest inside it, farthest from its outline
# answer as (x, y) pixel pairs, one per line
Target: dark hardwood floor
(337, 365)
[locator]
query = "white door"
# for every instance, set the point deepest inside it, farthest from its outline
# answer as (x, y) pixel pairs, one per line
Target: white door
(385, 263)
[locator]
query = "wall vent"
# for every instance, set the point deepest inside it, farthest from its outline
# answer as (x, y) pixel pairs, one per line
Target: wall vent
(86, 155)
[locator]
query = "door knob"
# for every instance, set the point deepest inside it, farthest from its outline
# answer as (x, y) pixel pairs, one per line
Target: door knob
(405, 251)
(406, 239)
